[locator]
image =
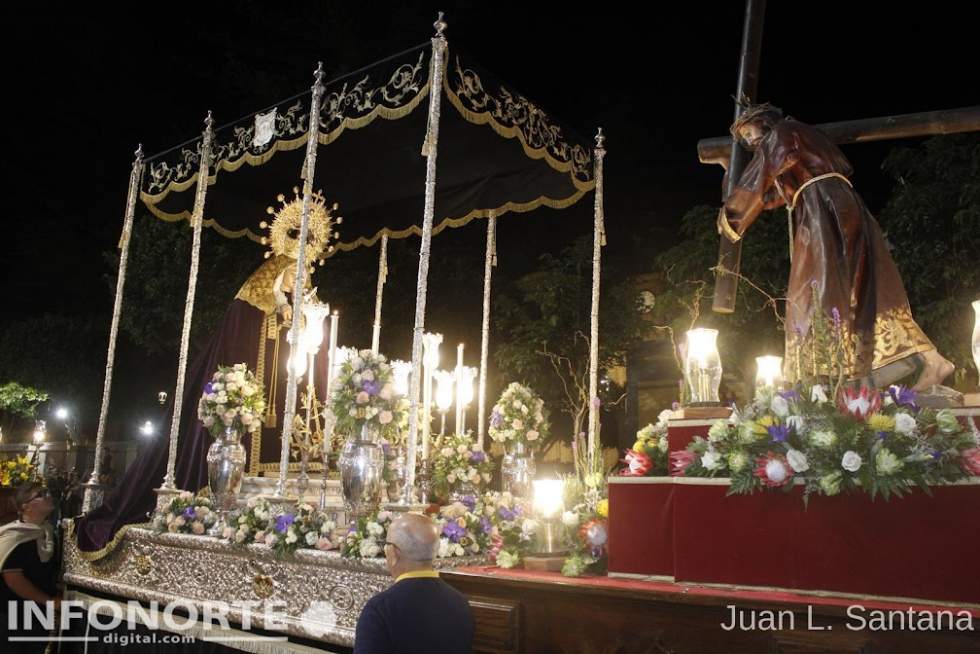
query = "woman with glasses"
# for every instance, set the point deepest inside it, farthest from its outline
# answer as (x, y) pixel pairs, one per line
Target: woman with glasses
(27, 571)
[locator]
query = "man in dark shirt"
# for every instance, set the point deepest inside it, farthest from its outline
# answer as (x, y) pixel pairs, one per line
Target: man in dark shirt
(420, 612)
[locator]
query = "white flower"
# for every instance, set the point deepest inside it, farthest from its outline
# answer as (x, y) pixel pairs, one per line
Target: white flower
(209, 422)
(532, 435)
(711, 460)
(270, 539)
(462, 449)
(517, 423)
(443, 548)
(798, 423)
(385, 417)
(451, 478)
(311, 538)
(528, 527)
(386, 392)
(859, 405)
(904, 423)
(486, 477)
(776, 471)
(446, 452)
(369, 549)
(665, 416)
(231, 388)
(570, 519)
(851, 461)
(718, 431)
(818, 394)
(367, 375)
(780, 406)
(374, 529)
(290, 536)
(824, 439)
(241, 535)
(384, 516)
(797, 461)
(663, 444)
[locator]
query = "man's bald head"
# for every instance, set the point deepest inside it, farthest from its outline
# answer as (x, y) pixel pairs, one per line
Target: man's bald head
(416, 536)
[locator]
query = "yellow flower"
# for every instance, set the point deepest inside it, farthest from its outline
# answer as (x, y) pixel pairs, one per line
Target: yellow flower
(638, 445)
(762, 425)
(880, 422)
(603, 508)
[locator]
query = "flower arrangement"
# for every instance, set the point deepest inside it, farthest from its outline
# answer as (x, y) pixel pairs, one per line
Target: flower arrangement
(466, 528)
(519, 416)
(882, 444)
(457, 462)
(186, 514)
(284, 531)
(364, 395)
(586, 531)
(648, 457)
(232, 399)
(513, 527)
(16, 471)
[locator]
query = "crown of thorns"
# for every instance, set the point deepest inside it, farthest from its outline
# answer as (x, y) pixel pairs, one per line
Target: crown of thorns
(751, 112)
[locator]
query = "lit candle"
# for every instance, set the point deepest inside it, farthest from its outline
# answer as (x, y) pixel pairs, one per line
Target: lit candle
(769, 372)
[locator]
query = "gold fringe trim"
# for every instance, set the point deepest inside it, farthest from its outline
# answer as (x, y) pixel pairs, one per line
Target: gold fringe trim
(283, 145)
(510, 133)
(109, 547)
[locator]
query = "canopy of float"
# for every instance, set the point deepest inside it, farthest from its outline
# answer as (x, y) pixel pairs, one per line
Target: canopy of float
(498, 153)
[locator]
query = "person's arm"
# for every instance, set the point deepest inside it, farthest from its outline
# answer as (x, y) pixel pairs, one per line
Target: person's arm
(24, 588)
(371, 636)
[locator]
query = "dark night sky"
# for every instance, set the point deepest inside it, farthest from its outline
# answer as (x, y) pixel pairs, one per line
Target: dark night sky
(86, 88)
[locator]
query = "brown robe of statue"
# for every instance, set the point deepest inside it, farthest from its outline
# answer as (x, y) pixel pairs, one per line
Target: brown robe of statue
(838, 247)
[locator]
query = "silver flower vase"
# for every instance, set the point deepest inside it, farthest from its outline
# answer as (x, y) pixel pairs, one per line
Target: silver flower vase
(517, 470)
(396, 473)
(226, 465)
(361, 466)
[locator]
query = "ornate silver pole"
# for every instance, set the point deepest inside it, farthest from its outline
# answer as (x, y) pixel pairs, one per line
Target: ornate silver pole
(488, 265)
(135, 177)
(430, 149)
(289, 411)
(197, 217)
(598, 240)
(382, 278)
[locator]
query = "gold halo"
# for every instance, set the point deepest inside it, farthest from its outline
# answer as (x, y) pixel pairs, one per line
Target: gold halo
(283, 232)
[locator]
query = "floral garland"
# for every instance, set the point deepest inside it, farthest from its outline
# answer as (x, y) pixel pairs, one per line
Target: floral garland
(186, 514)
(649, 455)
(364, 395)
(284, 531)
(16, 471)
(232, 399)
(878, 443)
(457, 462)
(519, 416)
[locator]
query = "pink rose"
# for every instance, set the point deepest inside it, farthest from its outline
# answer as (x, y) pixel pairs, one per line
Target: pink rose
(197, 527)
(385, 417)
(362, 398)
(324, 544)
(971, 461)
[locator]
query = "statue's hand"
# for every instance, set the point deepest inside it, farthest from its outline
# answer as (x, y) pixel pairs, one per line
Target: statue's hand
(287, 313)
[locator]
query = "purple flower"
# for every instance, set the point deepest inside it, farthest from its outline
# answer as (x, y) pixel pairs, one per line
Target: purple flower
(597, 552)
(469, 501)
(453, 531)
(507, 514)
(283, 522)
(778, 433)
(936, 455)
(371, 387)
(189, 513)
(208, 388)
(496, 419)
(485, 525)
(835, 314)
(675, 405)
(903, 396)
(478, 457)
(790, 395)
(881, 435)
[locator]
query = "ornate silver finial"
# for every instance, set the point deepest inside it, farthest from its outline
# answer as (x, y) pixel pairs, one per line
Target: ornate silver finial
(139, 151)
(600, 140)
(440, 26)
(318, 73)
(209, 121)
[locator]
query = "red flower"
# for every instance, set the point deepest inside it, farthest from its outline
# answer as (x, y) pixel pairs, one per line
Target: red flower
(773, 470)
(971, 461)
(637, 464)
(858, 403)
(679, 460)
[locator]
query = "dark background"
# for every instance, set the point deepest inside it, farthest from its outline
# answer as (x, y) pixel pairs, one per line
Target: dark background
(82, 89)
